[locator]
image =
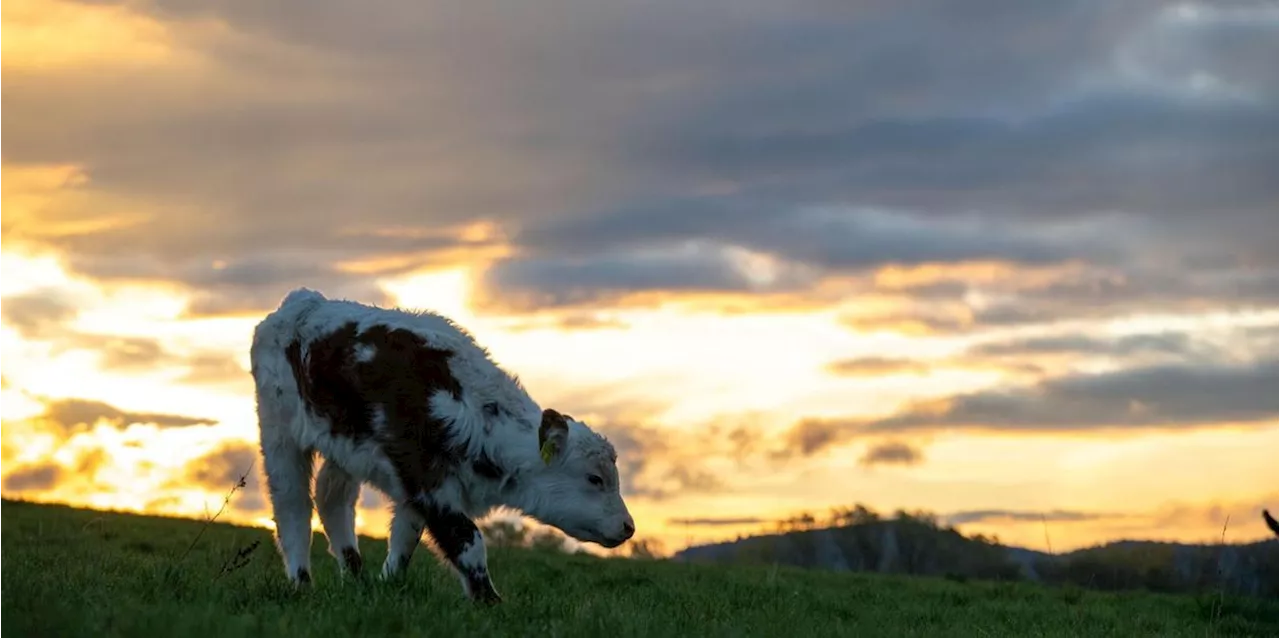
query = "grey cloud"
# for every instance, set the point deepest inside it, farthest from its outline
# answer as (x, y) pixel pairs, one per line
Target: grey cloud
(1172, 343)
(1010, 168)
(609, 132)
(872, 366)
(1176, 395)
(810, 436)
(704, 244)
(1093, 294)
(831, 237)
(40, 476)
(222, 469)
(40, 314)
(717, 522)
(127, 353)
(891, 453)
(1053, 516)
(1140, 290)
(551, 282)
(910, 319)
(1172, 395)
(70, 415)
(654, 467)
(248, 285)
(216, 369)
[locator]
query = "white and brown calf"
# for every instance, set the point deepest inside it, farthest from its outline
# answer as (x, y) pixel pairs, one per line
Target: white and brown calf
(411, 404)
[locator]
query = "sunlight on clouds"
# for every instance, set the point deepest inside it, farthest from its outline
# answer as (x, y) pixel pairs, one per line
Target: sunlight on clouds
(28, 187)
(16, 404)
(141, 468)
(478, 242)
(45, 34)
(691, 368)
(24, 272)
(445, 292)
(897, 277)
(132, 310)
(49, 201)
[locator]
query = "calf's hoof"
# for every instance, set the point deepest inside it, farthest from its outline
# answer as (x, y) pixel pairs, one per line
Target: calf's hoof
(486, 596)
(302, 580)
(352, 563)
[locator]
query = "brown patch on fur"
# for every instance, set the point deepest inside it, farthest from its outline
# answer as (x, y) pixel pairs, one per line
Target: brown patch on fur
(403, 375)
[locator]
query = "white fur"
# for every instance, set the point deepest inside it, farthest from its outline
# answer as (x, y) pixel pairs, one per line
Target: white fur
(556, 494)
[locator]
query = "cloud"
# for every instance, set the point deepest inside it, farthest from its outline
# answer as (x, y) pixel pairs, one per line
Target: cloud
(1176, 395)
(1171, 343)
(652, 467)
(831, 237)
(38, 315)
(1171, 395)
(71, 414)
(125, 353)
(215, 369)
(143, 354)
(46, 315)
(875, 366)
(1055, 516)
(222, 468)
(810, 436)
(711, 245)
(536, 283)
(568, 321)
(891, 453)
(718, 522)
(40, 476)
(948, 304)
(285, 146)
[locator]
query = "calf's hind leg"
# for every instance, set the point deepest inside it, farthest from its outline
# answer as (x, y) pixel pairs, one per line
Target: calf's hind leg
(406, 534)
(288, 470)
(336, 495)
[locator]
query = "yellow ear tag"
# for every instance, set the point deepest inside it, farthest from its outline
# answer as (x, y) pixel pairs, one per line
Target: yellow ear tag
(547, 452)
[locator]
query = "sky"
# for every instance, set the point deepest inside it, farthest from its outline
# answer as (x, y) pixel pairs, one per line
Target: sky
(1009, 262)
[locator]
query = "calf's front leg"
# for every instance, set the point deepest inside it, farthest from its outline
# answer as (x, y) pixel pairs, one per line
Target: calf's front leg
(462, 545)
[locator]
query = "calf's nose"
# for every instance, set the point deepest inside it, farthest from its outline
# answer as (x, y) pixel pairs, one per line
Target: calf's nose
(628, 527)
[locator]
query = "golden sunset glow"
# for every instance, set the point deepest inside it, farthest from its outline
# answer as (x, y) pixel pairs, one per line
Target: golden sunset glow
(142, 467)
(171, 176)
(43, 35)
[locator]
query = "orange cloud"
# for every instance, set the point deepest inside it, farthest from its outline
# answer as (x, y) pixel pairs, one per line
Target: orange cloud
(51, 34)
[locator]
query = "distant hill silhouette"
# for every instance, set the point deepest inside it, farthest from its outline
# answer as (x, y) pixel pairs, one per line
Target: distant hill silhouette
(916, 544)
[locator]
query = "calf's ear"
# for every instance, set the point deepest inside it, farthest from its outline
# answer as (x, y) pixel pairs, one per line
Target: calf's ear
(552, 435)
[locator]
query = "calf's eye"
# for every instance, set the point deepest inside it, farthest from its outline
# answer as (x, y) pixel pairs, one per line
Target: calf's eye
(595, 480)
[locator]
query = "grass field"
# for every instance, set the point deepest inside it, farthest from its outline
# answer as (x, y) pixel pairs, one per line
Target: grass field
(68, 572)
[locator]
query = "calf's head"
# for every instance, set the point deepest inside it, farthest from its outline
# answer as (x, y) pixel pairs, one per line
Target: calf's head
(578, 484)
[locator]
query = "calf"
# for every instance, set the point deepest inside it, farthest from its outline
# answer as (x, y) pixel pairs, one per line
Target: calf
(409, 403)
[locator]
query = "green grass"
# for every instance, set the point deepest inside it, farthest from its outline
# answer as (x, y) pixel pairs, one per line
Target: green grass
(69, 572)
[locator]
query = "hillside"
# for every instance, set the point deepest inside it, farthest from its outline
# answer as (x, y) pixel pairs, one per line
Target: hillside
(69, 572)
(917, 546)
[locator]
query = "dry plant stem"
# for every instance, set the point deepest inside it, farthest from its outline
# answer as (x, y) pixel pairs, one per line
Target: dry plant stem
(209, 521)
